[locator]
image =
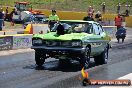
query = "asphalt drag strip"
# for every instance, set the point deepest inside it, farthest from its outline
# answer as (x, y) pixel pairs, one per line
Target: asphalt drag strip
(19, 70)
(119, 65)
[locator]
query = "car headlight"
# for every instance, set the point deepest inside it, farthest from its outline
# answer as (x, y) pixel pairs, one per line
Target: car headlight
(77, 43)
(37, 41)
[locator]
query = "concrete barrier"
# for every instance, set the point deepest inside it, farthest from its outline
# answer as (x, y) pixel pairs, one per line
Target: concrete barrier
(1, 32)
(18, 41)
(22, 41)
(36, 29)
(10, 32)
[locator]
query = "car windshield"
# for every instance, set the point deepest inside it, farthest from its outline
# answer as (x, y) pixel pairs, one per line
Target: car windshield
(29, 18)
(74, 27)
(35, 18)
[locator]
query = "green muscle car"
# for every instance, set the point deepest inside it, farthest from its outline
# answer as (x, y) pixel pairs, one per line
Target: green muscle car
(73, 39)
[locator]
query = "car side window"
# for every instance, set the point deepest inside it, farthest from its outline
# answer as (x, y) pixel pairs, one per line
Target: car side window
(100, 29)
(88, 29)
(96, 29)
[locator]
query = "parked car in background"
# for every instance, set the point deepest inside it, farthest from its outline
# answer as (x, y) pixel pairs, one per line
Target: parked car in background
(35, 19)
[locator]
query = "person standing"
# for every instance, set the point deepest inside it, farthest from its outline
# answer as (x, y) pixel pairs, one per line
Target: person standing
(89, 17)
(6, 12)
(90, 10)
(103, 7)
(121, 34)
(98, 16)
(11, 17)
(118, 8)
(127, 11)
(53, 18)
(118, 21)
(1, 19)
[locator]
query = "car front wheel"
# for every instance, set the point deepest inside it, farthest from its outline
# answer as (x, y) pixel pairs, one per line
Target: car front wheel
(40, 57)
(85, 58)
(102, 58)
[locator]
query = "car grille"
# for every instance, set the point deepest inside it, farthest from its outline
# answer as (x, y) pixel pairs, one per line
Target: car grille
(57, 43)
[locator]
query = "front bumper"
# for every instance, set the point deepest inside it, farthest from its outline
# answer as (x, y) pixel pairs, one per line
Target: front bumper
(63, 49)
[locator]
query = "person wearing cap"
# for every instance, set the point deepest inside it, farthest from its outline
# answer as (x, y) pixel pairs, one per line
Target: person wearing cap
(53, 18)
(118, 21)
(1, 19)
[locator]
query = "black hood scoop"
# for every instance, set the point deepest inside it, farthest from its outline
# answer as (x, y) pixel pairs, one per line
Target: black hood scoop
(60, 30)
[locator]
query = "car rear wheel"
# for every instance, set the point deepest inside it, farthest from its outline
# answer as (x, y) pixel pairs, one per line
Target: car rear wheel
(85, 58)
(40, 57)
(102, 58)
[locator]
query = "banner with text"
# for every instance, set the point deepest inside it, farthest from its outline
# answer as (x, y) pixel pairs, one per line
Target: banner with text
(22, 41)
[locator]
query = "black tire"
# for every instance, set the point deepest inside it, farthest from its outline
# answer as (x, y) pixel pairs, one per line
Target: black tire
(85, 58)
(102, 58)
(62, 61)
(40, 57)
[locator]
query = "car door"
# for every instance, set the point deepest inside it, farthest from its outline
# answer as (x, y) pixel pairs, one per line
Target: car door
(97, 39)
(104, 38)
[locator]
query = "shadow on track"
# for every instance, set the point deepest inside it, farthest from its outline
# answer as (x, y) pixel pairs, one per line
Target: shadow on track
(72, 66)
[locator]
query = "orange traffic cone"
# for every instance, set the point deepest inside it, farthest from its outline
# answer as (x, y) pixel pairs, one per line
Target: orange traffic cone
(31, 29)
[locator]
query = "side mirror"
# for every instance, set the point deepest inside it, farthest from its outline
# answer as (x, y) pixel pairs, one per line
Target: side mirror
(103, 34)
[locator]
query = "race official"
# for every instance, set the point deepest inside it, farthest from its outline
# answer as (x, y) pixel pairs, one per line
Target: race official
(1, 19)
(118, 21)
(53, 18)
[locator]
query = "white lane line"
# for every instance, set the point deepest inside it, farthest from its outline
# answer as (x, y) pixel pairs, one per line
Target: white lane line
(128, 76)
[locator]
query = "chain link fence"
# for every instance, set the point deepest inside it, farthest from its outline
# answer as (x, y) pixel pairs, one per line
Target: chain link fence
(75, 5)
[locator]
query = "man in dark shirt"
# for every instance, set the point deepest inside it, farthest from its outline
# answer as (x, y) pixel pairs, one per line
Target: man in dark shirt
(89, 17)
(1, 19)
